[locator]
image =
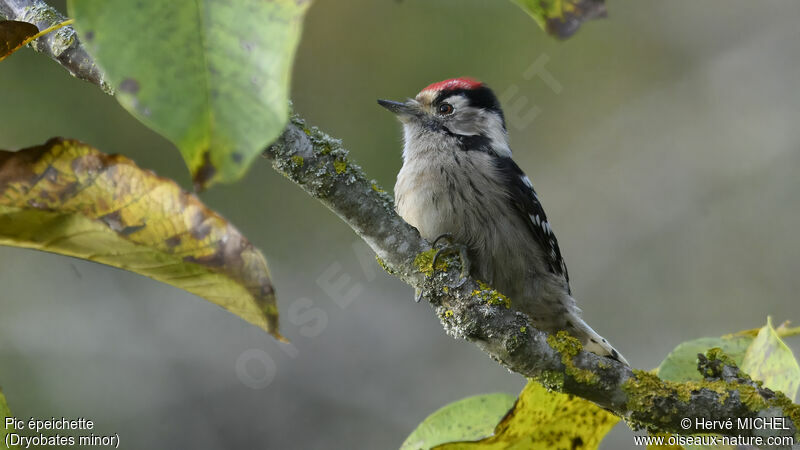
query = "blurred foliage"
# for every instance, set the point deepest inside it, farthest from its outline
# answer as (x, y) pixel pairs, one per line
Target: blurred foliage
(764, 356)
(681, 363)
(768, 359)
(562, 18)
(4, 412)
(545, 420)
(540, 419)
(211, 76)
(471, 418)
(66, 197)
(760, 353)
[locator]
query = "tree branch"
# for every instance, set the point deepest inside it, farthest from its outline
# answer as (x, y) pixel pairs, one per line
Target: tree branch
(62, 45)
(473, 311)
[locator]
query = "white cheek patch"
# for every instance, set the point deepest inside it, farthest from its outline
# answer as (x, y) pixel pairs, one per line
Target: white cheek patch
(466, 119)
(497, 134)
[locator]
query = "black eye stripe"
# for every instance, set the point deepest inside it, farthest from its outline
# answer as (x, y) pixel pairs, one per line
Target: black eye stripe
(481, 97)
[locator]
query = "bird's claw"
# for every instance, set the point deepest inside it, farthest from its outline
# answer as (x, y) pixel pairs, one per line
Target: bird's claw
(451, 247)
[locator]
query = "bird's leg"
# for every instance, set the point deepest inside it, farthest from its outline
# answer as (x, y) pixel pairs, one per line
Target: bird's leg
(451, 247)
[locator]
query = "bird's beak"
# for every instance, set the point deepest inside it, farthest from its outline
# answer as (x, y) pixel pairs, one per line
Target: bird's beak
(398, 108)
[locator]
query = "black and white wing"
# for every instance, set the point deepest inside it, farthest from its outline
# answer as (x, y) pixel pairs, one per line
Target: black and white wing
(525, 201)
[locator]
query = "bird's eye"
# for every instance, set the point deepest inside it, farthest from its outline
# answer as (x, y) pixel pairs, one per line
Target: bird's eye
(445, 109)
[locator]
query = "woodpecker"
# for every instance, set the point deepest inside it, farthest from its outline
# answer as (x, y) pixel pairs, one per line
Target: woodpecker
(458, 181)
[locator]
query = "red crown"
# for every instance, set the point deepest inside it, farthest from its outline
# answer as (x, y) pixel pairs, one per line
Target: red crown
(455, 83)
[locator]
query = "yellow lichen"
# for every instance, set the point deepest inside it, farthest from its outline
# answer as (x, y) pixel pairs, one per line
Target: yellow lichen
(716, 354)
(377, 188)
(424, 262)
(569, 346)
(448, 313)
(340, 166)
(298, 160)
(646, 389)
(491, 296)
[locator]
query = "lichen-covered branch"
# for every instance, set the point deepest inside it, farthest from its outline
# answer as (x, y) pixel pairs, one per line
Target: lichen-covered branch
(473, 311)
(62, 45)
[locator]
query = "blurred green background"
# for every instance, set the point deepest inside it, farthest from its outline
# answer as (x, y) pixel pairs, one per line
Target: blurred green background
(664, 142)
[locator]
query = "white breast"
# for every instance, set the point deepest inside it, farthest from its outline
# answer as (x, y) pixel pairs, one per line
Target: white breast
(422, 199)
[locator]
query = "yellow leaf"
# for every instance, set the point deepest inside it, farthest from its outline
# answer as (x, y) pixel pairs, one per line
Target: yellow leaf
(546, 420)
(66, 197)
(768, 359)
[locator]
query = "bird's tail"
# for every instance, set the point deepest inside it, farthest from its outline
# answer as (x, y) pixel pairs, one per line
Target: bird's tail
(593, 342)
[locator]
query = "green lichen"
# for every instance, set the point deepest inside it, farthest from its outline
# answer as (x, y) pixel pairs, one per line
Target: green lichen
(377, 188)
(646, 390)
(716, 354)
(424, 262)
(491, 296)
(643, 390)
(755, 402)
(569, 347)
(340, 166)
(298, 160)
(448, 313)
(523, 329)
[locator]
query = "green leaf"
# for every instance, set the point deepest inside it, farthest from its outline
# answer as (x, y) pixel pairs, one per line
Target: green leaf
(467, 419)
(68, 198)
(760, 353)
(545, 420)
(681, 364)
(4, 412)
(768, 359)
(212, 76)
(562, 18)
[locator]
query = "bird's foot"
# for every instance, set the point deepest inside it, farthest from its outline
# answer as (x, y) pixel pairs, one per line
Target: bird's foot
(450, 247)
